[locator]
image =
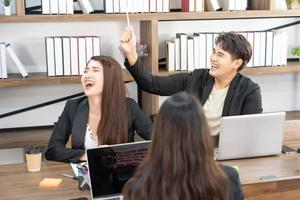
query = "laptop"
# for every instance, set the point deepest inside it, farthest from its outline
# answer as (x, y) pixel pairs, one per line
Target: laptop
(254, 135)
(110, 167)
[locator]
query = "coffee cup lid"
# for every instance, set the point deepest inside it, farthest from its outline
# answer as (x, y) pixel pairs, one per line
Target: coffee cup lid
(33, 150)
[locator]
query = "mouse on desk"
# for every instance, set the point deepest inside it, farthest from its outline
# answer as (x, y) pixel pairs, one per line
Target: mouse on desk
(269, 177)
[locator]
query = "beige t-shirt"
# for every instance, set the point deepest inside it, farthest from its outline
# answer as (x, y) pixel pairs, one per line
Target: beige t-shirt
(213, 109)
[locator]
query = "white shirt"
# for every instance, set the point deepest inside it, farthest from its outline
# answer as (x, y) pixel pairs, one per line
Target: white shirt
(213, 109)
(89, 140)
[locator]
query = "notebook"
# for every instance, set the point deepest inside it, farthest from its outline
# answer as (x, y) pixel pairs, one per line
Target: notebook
(111, 166)
(255, 135)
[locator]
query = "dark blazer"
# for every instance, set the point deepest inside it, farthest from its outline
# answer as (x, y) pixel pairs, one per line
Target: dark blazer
(235, 187)
(73, 121)
(243, 96)
(234, 184)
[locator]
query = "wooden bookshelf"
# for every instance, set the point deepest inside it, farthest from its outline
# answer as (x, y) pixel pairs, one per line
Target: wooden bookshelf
(24, 138)
(173, 16)
(39, 79)
(292, 67)
(148, 34)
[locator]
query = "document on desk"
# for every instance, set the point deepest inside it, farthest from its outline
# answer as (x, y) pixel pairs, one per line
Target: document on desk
(74, 168)
(79, 169)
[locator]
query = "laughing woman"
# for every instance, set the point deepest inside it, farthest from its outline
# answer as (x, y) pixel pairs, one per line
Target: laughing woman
(104, 116)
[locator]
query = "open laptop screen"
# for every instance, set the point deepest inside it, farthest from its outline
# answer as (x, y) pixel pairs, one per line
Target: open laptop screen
(254, 135)
(111, 166)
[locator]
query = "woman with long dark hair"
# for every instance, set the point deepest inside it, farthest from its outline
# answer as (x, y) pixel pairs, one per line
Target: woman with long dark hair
(180, 164)
(104, 116)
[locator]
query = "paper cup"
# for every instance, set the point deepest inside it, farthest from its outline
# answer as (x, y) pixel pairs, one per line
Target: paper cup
(33, 157)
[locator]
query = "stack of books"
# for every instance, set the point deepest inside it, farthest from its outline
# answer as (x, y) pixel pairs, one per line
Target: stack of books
(5, 47)
(187, 52)
(68, 55)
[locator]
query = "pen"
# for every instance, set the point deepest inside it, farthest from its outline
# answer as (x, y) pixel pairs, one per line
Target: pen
(127, 15)
(69, 176)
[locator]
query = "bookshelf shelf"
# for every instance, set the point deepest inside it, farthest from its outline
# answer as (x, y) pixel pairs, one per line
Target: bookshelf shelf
(25, 138)
(249, 14)
(293, 67)
(39, 79)
(173, 16)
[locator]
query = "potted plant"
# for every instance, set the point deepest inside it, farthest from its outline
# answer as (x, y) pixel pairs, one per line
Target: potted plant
(293, 4)
(296, 52)
(7, 8)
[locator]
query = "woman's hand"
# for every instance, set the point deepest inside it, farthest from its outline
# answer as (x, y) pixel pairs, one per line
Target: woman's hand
(83, 157)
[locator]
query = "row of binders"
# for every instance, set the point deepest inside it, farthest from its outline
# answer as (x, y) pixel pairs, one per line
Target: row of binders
(5, 47)
(136, 6)
(188, 52)
(234, 5)
(226, 5)
(120, 6)
(109, 6)
(68, 55)
(64, 7)
(144, 6)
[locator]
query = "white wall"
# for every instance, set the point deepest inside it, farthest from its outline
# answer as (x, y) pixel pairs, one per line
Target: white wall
(11, 156)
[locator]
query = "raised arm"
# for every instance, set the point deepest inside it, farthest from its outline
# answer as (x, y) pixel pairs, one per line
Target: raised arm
(128, 45)
(159, 85)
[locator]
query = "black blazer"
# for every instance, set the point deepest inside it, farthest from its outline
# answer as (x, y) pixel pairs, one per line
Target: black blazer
(73, 121)
(243, 96)
(235, 187)
(234, 184)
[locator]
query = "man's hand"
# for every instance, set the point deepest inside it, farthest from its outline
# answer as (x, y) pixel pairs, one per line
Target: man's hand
(128, 45)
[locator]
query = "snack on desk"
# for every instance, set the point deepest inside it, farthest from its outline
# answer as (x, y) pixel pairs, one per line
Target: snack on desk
(50, 182)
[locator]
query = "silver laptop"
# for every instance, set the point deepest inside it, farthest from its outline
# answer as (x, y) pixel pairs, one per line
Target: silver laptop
(255, 135)
(110, 167)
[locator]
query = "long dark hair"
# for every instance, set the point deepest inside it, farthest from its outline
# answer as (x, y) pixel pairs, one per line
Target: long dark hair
(113, 125)
(179, 163)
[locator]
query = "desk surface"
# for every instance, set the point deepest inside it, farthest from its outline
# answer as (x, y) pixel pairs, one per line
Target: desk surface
(285, 181)
(17, 183)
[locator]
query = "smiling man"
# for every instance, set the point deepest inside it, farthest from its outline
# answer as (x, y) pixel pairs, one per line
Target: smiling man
(222, 90)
